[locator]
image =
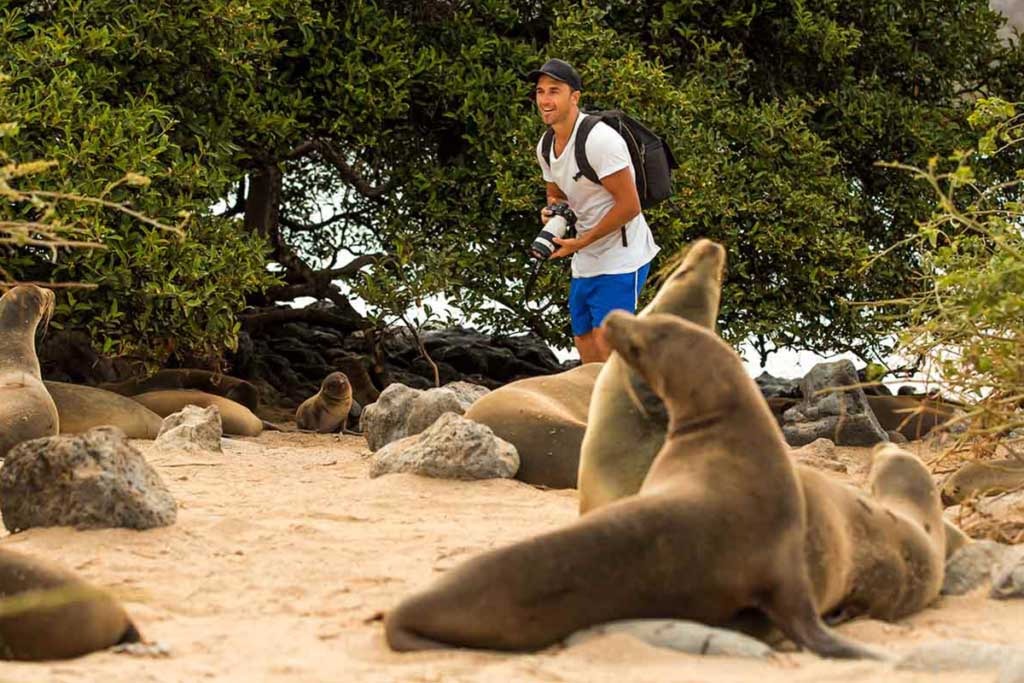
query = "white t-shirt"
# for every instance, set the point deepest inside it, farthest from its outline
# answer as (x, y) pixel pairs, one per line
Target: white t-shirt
(607, 153)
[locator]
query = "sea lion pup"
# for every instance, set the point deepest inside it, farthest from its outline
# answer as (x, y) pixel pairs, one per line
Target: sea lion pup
(327, 411)
(623, 410)
(716, 529)
(544, 418)
(26, 409)
(987, 477)
(81, 408)
(238, 390)
(49, 613)
(235, 418)
(912, 416)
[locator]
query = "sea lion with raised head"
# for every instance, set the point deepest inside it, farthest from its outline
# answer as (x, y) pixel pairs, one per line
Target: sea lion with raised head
(26, 409)
(623, 410)
(219, 384)
(983, 478)
(544, 418)
(235, 418)
(49, 613)
(717, 528)
(81, 408)
(327, 411)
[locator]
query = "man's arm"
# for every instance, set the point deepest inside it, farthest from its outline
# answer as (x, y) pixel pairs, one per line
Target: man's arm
(626, 207)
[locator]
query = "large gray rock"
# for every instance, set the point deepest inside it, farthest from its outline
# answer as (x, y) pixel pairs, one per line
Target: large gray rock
(833, 408)
(192, 429)
(973, 564)
(453, 447)
(402, 411)
(684, 636)
(89, 481)
(777, 387)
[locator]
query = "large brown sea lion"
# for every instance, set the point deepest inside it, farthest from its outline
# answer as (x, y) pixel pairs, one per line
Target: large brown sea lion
(983, 477)
(26, 409)
(911, 416)
(327, 411)
(623, 410)
(49, 613)
(81, 408)
(238, 390)
(236, 418)
(717, 528)
(544, 418)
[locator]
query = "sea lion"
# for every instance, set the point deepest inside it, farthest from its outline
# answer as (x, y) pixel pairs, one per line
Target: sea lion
(623, 409)
(81, 408)
(881, 555)
(328, 410)
(983, 477)
(238, 390)
(49, 613)
(544, 418)
(26, 409)
(911, 416)
(717, 527)
(235, 418)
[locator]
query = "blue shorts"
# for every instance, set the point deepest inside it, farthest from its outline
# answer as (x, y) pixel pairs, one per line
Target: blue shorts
(593, 298)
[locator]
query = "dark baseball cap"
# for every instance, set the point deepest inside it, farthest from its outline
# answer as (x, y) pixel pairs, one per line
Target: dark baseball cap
(558, 70)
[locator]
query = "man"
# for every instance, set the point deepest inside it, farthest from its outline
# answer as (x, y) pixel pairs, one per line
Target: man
(609, 264)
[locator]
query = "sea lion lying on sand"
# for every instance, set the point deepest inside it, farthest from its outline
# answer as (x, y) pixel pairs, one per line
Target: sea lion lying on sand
(983, 477)
(717, 528)
(81, 408)
(49, 613)
(238, 390)
(26, 409)
(544, 418)
(235, 418)
(912, 416)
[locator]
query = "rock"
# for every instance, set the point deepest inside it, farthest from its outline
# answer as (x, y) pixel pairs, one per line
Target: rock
(89, 481)
(775, 387)
(384, 420)
(192, 429)
(842, 415)
(1008, 579)
(466, 392)
(960, 655)
(453, 447)
(819, 454)
(684, 636)
(972, 565)
(402, 411)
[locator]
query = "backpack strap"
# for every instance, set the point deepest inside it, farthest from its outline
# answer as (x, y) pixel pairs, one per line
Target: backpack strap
(546, 143)
(582, 133)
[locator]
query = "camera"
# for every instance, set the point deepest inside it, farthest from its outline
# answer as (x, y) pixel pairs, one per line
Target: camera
(559, 224)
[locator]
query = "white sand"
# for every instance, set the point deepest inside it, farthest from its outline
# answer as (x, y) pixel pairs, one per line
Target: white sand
(284, 550)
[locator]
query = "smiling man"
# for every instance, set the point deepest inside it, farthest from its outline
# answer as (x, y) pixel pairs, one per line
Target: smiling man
(614, 246)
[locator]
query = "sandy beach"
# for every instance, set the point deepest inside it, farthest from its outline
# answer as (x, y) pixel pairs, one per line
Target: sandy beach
(285, 551)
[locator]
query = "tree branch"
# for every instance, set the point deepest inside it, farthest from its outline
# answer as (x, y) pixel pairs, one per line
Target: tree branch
(239, 206)
(349, 174)
(313, 227)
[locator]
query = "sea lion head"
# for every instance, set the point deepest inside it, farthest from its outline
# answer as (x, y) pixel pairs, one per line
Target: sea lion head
(897, 472)
(692, 370)
(336, 386)
(24, 307)
(692, 284)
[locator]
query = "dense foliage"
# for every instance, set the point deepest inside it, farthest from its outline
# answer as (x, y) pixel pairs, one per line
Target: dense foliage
(388, 146)
(967, 319)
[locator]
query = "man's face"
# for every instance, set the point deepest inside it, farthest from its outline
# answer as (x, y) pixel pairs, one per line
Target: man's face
(556, 101)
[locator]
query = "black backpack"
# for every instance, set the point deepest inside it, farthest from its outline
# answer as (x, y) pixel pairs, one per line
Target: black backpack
(652, 159)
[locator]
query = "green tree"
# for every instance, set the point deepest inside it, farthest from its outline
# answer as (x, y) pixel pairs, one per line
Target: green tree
(388, 146)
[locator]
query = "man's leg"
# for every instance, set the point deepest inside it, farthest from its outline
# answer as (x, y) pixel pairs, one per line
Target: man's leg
(582, 324)
(592, 347)
(610, 293)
